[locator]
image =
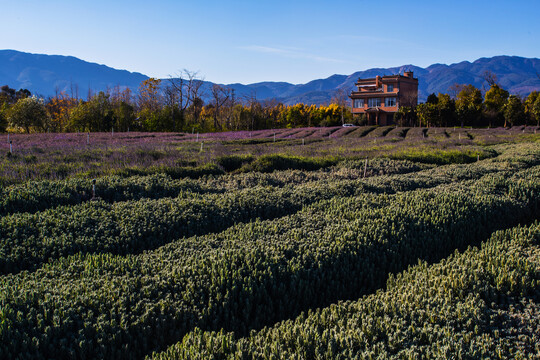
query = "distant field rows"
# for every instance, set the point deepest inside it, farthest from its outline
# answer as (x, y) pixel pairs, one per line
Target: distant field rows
(181, 155)
(62, 140)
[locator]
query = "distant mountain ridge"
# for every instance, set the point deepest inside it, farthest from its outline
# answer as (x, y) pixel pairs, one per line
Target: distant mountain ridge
(44, 74)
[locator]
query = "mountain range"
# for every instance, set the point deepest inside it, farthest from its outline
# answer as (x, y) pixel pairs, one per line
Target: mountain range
(47, 74)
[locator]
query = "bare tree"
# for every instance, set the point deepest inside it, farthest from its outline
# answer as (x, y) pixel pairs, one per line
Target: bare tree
(455, 89)
(74, 90)
(231, 103)
(184, 91)
(176, 90)
(170, 96)
(186, 86)
(251, 100)
(490, 78)
(409, 99)
(340, 98)
(220, 95)
(90, 94)
(195, 88)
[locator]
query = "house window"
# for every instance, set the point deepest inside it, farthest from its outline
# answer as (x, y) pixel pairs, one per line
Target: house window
(358, 103)
(374, 102)
(390, 101)
(390, 87)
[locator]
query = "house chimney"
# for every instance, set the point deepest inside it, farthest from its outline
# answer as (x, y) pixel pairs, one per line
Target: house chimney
(409, 74)
(378, 81)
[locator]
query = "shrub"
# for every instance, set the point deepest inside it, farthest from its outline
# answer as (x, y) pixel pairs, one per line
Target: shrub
(272, 162)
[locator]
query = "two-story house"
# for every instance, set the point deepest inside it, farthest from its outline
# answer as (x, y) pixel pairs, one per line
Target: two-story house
(380, 97)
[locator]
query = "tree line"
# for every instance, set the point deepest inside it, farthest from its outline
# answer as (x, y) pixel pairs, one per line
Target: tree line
(177, 104)
(468, 107)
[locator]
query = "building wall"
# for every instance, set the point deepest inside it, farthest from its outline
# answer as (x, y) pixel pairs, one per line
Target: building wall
(408, 94)
(405, 91)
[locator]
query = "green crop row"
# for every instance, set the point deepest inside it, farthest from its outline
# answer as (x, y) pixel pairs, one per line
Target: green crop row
(30, 239)
(443, 156)
(33, 196)
(251, 275)
(36, 196)
(483, 303)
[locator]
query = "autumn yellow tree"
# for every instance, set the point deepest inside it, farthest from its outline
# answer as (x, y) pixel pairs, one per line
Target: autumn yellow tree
(150, 104)
(59, 108)
(149, 94)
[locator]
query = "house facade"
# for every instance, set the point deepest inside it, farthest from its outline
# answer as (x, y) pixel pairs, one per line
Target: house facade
(379, 98)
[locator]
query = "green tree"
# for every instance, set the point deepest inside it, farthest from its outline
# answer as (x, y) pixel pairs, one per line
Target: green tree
(294, 115)
(10, 96)
(428, 114)
(432, 99)
(447, 110)
(529, 106)
(405, 116)
(158, 120)
(469, 105)
(80, 117)
(29, 113)
(494, 102)
(150, 102)
(3, 121)
(97, 114)
(513, 111)
(535, 111)
(124, 114)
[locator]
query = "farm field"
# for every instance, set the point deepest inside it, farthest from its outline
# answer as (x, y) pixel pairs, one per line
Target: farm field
(89, 155)
(311, 243)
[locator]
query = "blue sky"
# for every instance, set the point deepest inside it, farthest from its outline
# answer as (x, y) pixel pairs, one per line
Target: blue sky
(250, 41)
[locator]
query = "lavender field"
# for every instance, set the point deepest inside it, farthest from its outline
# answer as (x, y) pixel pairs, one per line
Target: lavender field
(308, 243)
(59, 156)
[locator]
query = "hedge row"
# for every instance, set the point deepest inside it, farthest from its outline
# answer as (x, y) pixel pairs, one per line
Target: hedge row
(31, 239)
(34, 196)
(251, 275)
(483, 303)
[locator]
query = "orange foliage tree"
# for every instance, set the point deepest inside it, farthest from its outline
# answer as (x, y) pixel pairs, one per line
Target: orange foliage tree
(59, 108)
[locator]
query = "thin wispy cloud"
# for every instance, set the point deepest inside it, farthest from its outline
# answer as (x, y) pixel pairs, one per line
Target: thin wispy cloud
(372, 40)
(291, 53)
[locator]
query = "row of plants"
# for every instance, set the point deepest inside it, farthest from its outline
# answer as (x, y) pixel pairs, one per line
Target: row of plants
(28, 240)
(31, 239)
(443, 156)
(33, 196)
(60, 156)
(251, 275)
(482, 303)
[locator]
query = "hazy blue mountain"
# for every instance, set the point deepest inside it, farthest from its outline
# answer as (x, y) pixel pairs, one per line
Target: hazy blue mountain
(43, 74)
(516, 74)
